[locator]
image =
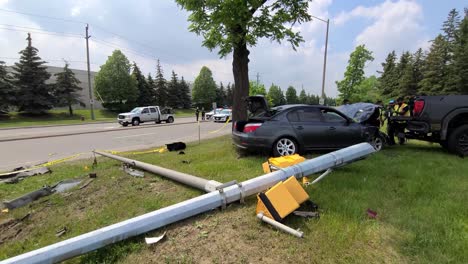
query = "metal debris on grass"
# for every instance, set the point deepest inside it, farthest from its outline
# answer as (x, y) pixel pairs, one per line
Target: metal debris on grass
(153, 240)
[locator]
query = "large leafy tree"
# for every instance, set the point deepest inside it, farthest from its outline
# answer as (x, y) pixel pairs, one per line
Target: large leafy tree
(160, 86)
(173, 92)
(7, 90)
(185, 93)
(204, 88)
(234, 25)
(367, 91)
(145, 91)
(275, 96)
(115, 85)
(66, 89)
(435, 70)
(291, 95)
(30, 76)
(354, 73)
(388, 81)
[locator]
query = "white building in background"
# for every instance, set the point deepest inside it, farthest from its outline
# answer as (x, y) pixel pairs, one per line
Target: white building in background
(82, 76)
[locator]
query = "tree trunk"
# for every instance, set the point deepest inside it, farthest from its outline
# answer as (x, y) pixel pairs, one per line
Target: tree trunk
(70, 110)
(240, 69)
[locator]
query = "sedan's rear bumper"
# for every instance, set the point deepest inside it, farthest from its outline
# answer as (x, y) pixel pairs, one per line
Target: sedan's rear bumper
(250, 141)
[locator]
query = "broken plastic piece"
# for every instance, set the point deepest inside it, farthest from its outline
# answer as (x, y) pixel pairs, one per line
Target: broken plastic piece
(5, 210)
(371, 214)
(28, 198)
(132, 172)
(61, 232)
(153, 240)
(16, 176)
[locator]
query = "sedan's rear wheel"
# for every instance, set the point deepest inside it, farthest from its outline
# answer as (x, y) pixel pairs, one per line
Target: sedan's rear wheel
(285, 147)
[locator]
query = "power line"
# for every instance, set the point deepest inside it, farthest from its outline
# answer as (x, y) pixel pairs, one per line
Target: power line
(116, 46)
(39, 29)
(41, 32)
(48, 17)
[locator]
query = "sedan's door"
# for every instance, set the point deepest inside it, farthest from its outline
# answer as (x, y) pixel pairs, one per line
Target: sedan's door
(145, 115)
(341, 131)
(309, 128)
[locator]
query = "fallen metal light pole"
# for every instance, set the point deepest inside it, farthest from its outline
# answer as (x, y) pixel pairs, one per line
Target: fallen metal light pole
(139, 225)
(190, 180)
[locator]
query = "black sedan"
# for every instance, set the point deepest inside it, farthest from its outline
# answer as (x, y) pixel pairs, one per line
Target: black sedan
(290, 129)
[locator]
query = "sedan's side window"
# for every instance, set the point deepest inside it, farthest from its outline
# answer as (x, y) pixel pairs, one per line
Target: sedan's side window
(309, 115)
(332, 117)
(293, 116)
(153, 110)
(145, 111)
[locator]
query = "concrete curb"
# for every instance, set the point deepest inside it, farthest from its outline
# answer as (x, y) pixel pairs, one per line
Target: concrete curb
(94, 131)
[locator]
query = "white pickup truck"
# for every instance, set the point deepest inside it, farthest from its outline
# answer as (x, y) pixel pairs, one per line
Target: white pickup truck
(145, 114)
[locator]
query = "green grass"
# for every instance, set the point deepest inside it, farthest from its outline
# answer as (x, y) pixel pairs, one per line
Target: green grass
(418, 191)
(185, 113)
(55, 117)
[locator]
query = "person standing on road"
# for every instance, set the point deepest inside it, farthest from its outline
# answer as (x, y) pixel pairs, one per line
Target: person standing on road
(203, 113)
(197, 113)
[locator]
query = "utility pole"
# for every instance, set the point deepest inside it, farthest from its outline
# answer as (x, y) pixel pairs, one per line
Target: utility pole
(322, 99)
(325, 63)
(258, 78)
(91, 100)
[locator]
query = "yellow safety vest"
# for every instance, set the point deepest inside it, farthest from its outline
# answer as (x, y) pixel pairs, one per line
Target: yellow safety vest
(396, 110)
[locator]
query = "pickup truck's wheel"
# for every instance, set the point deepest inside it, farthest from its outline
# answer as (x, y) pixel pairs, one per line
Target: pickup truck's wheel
(285, 147)
(458, 141)
(124, 124)
(170, 120)
(135, 122)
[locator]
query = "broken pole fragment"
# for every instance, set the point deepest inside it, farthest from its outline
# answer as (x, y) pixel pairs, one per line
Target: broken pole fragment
(141, 224)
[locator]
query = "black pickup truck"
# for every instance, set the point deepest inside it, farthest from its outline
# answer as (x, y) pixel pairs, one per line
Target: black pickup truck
(440, 119)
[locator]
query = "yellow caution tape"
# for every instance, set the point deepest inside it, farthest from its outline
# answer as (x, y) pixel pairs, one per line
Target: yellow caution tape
(50, 163)
(225, 124)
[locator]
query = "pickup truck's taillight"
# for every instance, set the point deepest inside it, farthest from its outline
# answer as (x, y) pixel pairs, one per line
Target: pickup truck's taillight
(418, 107)
(249, 128)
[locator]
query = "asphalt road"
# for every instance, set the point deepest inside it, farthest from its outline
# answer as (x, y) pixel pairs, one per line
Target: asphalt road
(105, 137)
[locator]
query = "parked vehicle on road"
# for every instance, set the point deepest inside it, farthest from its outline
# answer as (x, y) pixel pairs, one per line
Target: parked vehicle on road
(223, 115)
(440, 119)
(290, 129)
(210, 114)
(145, 114)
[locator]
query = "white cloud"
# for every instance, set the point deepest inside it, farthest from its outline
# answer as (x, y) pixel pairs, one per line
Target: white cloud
(393, 26)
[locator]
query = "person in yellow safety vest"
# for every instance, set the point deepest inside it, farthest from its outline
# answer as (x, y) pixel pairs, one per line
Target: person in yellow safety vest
(395, 127)
(401, 108)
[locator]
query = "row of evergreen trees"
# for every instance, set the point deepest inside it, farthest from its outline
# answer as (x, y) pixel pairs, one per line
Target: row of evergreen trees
(443, 70)
(275, 95)
(25, 88)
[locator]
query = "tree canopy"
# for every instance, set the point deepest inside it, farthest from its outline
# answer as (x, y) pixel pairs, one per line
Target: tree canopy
(233, 26)
(204, 88)
(7, 90)
(354, 73)
(291, 95)
(114, 83)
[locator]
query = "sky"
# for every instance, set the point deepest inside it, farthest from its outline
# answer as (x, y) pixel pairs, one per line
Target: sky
(147, 30)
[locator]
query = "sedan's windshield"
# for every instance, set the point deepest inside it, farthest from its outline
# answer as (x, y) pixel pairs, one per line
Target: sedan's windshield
(136, 110)
(226, 112)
